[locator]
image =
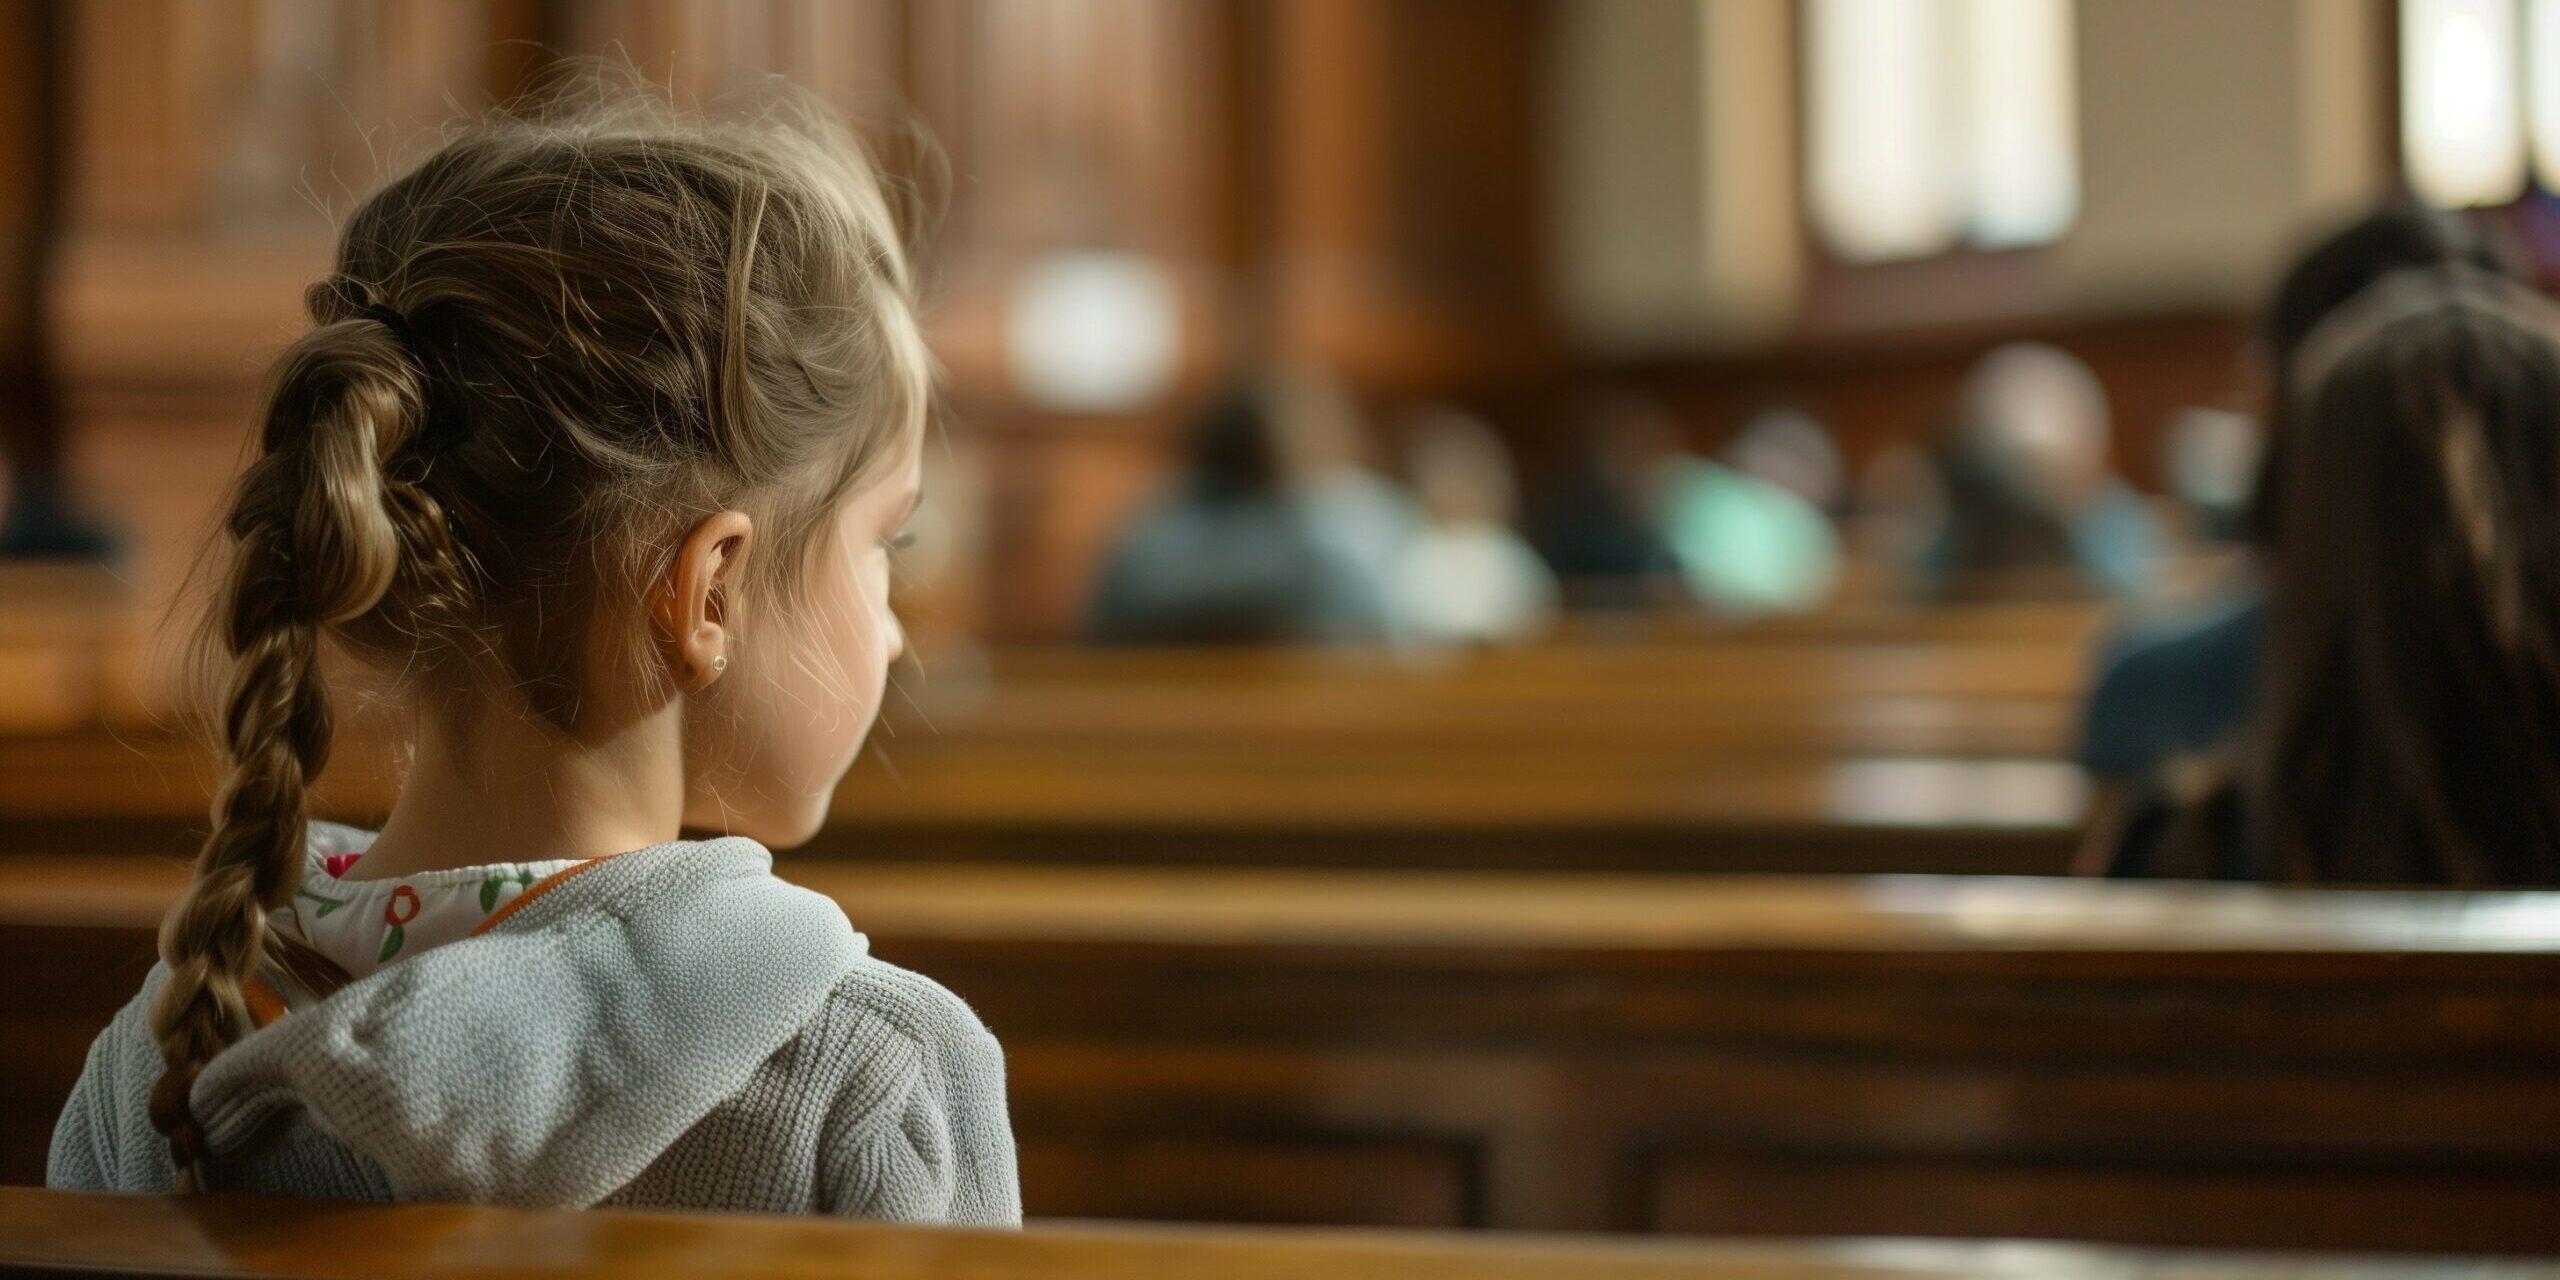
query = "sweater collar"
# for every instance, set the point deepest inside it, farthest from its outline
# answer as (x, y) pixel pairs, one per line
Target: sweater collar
(551, 1059)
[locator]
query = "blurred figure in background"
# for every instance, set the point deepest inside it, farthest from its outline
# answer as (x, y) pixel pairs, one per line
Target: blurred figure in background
(1752, 533)
(2029, 504)
(1468, 577)
(1324, 455)
(2410, 732)
(1600, 523)
(2212, 460)
(2187, 683)
(1235, 554)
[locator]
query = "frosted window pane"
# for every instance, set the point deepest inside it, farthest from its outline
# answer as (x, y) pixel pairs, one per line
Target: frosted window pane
(2461, 124)
(2022, 122)
(2542, 80)
(1881, 168)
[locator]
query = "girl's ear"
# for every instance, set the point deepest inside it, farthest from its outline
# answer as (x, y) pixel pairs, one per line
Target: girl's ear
(692, 606)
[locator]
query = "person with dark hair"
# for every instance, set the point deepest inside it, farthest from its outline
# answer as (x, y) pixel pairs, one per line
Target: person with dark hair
(1467, 577)
(1232, 555)
(2186, 684)
(2017, 499)
(1599, 523)
(2410, 728)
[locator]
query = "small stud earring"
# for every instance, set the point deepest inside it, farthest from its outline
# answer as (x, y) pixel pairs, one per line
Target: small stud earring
(719, 663)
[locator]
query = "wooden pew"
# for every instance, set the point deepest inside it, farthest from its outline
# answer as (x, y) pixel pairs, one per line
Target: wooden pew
(2146, 1064)
(1739, 756)
(1870, 740)
(953, 800)
(45, 1233)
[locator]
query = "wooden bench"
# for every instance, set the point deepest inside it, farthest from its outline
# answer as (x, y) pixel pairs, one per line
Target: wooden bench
(1867, 740)
(954, 800)
(1746, 755)
(1935, 1056)
(53, 1234)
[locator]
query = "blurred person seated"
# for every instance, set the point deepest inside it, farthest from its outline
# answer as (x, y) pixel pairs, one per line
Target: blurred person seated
(2030, 506)
(1235, 554)
(2211, 457)
(1323, 452)
(2410, 727)
(2186, 682)
(1468, 577)
(1751, 533)
(1599, 523)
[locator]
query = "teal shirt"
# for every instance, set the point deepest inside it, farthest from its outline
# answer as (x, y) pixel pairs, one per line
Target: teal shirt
(1747, 546)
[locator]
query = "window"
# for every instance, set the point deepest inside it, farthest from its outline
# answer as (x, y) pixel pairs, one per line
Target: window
(1934, 124)
(2462, 119)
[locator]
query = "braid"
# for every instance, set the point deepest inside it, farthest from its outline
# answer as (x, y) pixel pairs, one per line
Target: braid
(320, 537)
(541, 350)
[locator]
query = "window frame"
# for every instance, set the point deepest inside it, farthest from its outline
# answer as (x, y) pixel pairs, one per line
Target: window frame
(1845, 295)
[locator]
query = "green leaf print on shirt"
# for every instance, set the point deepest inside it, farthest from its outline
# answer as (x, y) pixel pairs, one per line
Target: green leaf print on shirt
(489, 888)
(393, 915)
(327, 903)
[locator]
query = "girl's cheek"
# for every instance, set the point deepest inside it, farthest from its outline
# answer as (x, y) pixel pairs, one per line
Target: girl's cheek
(892, 631)
(876, 595)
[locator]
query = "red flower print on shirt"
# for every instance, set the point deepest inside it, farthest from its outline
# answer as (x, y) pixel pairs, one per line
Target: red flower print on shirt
(336, 864)
(403, 908)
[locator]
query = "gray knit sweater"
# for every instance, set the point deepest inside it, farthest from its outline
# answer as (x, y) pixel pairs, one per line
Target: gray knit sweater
(673, 1028)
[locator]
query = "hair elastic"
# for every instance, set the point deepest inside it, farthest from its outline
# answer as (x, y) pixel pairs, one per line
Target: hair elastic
(401, 330)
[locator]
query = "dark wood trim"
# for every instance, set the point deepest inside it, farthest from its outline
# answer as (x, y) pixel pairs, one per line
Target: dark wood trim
(2157, 1064)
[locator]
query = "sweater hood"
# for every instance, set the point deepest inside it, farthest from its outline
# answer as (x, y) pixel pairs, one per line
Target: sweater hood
(552, 1059)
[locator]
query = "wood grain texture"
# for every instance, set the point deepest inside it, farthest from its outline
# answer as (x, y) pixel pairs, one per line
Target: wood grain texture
(2206, 1066)
(54, 1233)
(1869, 748)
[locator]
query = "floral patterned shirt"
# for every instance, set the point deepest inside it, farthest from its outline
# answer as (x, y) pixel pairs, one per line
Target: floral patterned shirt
(366, 924)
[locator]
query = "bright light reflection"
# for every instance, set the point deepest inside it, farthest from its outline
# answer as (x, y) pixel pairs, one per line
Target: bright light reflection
(2022, 122)
(2461, 131)
(1881, 177)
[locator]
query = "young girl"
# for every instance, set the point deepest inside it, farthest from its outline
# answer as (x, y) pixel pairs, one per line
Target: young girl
(596, 454)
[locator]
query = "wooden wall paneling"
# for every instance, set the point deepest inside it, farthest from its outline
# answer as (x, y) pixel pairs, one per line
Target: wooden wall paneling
(212, 147)
(140, 155)
(1083, 124)
(1405, 248)
(852, 53)
(31, 94)
(1090, 124)
(26, 196)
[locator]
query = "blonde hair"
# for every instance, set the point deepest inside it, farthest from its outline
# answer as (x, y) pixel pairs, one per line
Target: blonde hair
(568, 335)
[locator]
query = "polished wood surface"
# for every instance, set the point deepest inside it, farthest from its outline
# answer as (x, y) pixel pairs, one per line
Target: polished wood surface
(1871, 740)
(53, 1233)
(1986, 920)
(2197, 1065)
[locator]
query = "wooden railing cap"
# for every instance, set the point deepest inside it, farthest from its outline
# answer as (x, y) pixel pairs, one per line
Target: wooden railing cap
(57, 1233)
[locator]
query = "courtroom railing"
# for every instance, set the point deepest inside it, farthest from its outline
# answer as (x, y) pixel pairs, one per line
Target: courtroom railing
(2145, 1064)
(54, 1234)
